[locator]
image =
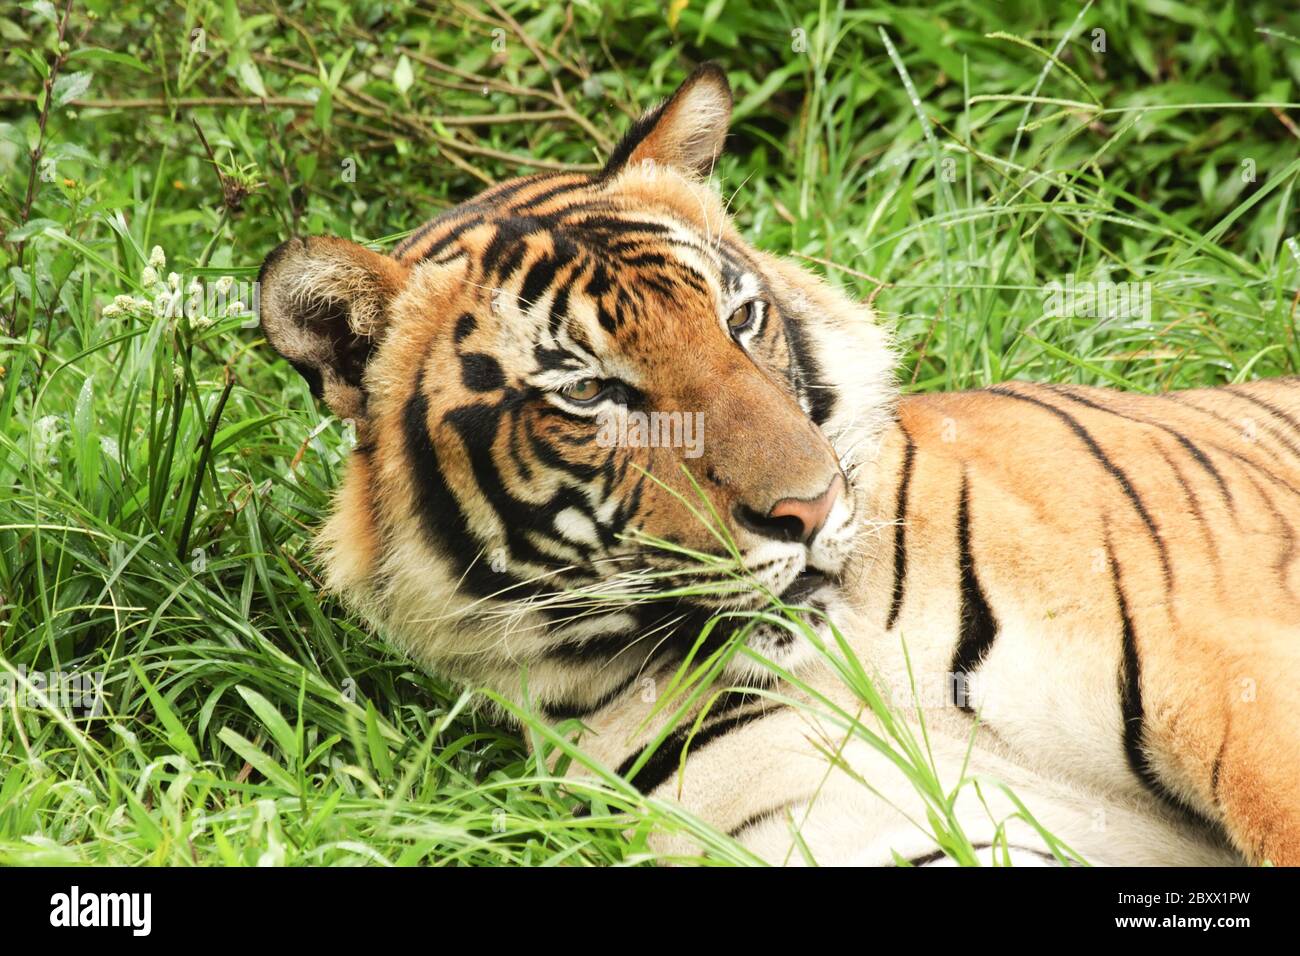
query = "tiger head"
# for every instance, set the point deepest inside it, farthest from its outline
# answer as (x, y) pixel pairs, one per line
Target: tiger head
(589, 419)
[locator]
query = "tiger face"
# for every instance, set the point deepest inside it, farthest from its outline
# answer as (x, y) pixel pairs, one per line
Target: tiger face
(590, 418)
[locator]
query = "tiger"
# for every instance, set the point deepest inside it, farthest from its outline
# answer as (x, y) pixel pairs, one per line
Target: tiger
(1102, 585)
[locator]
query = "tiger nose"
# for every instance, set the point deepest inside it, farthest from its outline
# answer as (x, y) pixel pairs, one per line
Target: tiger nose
(794, 519)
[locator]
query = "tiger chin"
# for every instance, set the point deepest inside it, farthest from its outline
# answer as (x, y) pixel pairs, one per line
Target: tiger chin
(1062, 574)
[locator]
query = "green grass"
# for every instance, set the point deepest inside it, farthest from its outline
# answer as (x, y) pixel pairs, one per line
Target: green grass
(159, 479)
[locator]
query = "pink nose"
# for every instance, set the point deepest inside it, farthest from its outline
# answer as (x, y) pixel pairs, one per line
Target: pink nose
(811, 513)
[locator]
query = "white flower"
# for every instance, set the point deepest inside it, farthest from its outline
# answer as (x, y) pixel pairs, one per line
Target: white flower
(173, 280)
(112, 309)
(224, 284)
(149, 277)
(157, 259)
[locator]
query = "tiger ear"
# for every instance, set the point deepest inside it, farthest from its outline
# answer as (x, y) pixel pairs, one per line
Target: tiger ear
(324, 306)
(686, 132)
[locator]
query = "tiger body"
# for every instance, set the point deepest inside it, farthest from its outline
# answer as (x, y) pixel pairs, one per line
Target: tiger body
(1145, 595)
(1152, 619)
(1094, 587)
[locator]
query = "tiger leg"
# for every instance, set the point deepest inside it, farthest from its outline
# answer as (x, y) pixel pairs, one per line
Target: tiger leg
(1225, 739)
(1256, 777)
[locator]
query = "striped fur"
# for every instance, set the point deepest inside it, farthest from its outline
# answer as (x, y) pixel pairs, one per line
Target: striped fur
(1099, 586)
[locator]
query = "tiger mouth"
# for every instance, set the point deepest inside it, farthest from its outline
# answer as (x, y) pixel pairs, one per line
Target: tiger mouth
(805, 584)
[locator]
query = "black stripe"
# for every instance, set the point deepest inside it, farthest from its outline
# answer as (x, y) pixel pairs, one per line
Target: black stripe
(478, 426)
(650, 258)
(490, 200)
(1197, 454)
(1234, 427)
(1112, 469)
(1267, 406)
(808, 373)
(626, 146)
(560, 309)
(570, 708)
(547, 454)
(538, 279)
(612, 224)
(415, 238)
(900, 532)
(928, 858)
(937, 855)
(670, 285)
(754, 819)
(524, 469)
(1216, 771)
(1130, 688)
(588, 648)
(447, 240)
(1132, 709)
(978, 625)
(1275, 412)
(1194, 505)
(1193, 501)
(598, 282)
(607, 319)
(548, 194)
(1246, 462)
(481, 373)
(667, 757)
(1288, 550)
(438, 510)
(505, 251)
(1256, 466)
(504, 192)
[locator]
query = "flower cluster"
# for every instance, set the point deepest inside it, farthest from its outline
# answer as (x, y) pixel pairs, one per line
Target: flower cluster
(172, 297)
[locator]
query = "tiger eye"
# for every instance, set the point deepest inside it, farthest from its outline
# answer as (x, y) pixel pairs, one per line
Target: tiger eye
(585, 390)
(740, 318)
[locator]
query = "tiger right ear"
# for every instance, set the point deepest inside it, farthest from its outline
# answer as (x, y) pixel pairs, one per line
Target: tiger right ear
(324, 306)
(686, 132)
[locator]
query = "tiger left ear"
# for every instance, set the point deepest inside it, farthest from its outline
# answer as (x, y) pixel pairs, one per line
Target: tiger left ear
(324, 307)
(686, 132)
